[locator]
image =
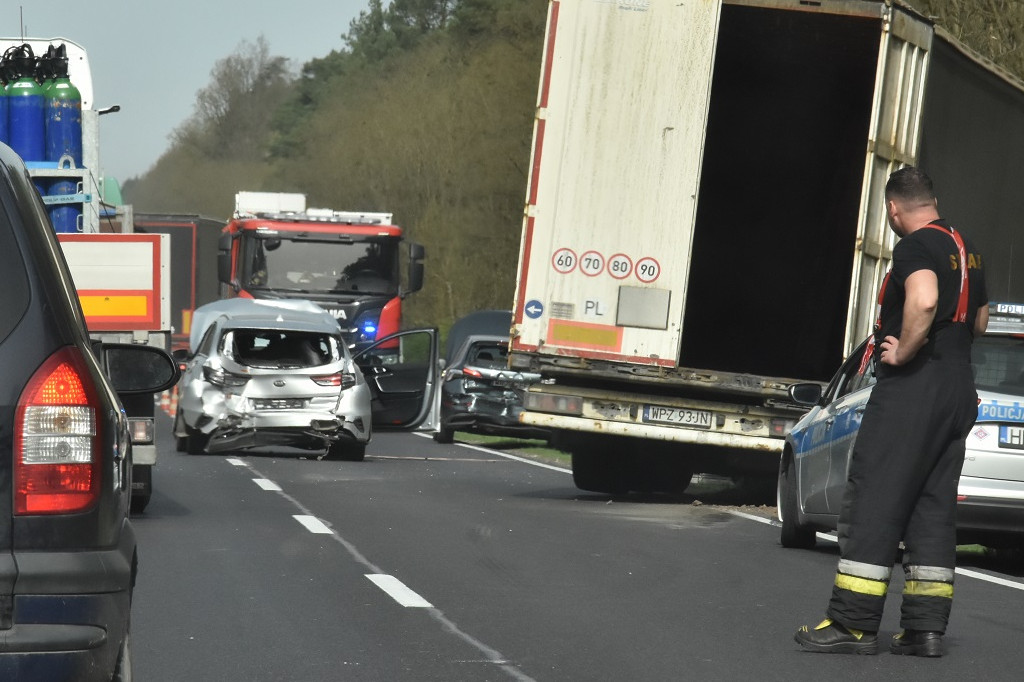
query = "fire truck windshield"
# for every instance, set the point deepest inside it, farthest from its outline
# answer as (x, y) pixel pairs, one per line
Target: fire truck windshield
(283, 264)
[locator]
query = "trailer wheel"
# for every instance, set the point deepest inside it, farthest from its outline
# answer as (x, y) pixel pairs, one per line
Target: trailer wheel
(599, 472)
(661, 473)
(792, 534)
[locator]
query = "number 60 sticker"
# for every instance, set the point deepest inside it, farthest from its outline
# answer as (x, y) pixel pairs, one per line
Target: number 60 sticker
(564, 260)
(647, 270)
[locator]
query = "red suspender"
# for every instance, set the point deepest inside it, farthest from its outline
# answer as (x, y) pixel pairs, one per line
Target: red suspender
(961, 305)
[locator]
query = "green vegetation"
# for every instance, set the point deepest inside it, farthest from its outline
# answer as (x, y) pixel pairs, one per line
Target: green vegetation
(425, 110)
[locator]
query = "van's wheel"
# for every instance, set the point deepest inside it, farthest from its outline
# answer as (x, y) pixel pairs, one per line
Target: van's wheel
(123, 671)
(792, 534)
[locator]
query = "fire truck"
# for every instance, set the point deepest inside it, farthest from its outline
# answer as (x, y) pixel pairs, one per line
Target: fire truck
(349, 263)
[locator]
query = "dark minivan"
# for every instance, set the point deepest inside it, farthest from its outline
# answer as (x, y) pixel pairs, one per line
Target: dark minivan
(67, 550)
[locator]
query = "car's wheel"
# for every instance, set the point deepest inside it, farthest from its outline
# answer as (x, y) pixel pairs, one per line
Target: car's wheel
(792, 534)
(123, 671)
(180, 442)
(195, 441)
(347, 450)
(444, 435)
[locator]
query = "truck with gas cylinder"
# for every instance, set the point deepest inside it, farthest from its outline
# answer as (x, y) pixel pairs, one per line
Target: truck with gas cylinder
(349, 263)
(705, 221)
(122, 279)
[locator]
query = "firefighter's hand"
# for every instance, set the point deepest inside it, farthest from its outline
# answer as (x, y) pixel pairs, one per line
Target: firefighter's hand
(890, 352)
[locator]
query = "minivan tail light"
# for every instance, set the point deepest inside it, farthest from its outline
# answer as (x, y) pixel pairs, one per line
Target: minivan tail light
(57, 438)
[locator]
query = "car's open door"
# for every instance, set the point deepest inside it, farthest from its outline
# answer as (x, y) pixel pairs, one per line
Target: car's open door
(402, 385)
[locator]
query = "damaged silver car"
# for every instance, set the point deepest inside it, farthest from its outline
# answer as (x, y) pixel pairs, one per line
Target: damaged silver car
(271, 374)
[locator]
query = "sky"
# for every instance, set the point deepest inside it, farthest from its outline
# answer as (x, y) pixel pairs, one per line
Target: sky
(151, 57)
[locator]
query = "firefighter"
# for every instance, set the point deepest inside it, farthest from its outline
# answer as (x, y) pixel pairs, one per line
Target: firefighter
(909, 451)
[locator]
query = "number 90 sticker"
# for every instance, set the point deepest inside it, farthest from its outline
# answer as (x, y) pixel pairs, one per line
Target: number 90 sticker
(564, 260)
(648, 270)
(591, 263)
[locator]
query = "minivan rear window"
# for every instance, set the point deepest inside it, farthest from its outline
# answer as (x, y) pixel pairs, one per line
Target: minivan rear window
(13, 280)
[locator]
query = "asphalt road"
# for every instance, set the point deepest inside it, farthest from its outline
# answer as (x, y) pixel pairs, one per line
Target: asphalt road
(430, 562)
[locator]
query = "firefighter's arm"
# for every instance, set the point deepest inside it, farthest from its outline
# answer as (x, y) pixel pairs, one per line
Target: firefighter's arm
(922, 297)
(981, 321)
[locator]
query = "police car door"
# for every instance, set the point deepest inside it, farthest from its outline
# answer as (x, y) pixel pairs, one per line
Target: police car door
(847, 411)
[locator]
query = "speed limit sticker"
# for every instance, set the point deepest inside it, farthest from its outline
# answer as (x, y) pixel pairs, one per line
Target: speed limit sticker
(564, 260)
(591, 263)
(620, 266)
(648, 270)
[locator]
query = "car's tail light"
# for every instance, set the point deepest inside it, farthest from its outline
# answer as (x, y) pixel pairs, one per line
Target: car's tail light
(57, 439)
(218, 377)
(342, 379)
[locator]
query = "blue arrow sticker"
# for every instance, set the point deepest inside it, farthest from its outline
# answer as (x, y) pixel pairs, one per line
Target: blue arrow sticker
(534, 309)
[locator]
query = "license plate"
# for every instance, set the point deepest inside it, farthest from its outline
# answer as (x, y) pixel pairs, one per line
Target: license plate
(679, 416)
(1011, 437)
(278, 403)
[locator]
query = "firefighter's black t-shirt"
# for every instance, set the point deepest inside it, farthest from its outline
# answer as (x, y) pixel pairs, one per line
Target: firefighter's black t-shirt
(935, 250)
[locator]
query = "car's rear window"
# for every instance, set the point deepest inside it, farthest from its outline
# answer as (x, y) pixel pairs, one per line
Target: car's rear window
(276, 349)
(13, 280)
(998, 363)
(491, 355)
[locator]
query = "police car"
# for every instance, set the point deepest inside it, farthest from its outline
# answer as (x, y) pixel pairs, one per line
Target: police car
(990, 499)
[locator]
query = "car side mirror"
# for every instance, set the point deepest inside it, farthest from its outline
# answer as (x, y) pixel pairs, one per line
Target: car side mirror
(134, 369)
(806, 394)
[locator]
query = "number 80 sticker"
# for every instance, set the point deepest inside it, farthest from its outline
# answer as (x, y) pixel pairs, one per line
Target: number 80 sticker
(648, 270)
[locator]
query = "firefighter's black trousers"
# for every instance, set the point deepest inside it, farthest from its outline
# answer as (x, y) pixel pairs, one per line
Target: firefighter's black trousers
(902, 485)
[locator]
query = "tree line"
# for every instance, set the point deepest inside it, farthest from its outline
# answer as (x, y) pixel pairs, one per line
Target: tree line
(425, 110)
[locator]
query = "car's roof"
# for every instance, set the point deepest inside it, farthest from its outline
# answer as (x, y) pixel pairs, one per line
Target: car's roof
(267, 314)
(490, 322)
(284, 322)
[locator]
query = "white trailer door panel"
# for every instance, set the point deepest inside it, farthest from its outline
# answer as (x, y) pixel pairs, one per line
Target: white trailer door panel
(618, 143)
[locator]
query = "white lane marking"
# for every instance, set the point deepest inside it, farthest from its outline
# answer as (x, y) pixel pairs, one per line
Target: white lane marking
(831, 537)
(492, 655)
(266, 484)
(313, 524)
(990, 578)
(397, 590)
(524, 460)
(760, 519)
(235, 462)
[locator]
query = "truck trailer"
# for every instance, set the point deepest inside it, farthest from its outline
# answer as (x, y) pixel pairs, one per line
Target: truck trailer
(705, 221)
(193, 246)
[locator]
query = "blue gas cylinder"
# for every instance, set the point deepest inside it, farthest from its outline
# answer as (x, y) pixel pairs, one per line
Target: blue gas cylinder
(25, 121)
(63, 118)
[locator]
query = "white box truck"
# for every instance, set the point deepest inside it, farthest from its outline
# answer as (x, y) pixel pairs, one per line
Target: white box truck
(705, 219)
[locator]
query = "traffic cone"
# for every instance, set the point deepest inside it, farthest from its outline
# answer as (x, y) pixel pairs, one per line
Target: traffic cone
(173, 407)
(165, 401)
